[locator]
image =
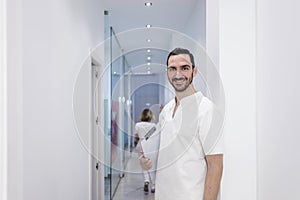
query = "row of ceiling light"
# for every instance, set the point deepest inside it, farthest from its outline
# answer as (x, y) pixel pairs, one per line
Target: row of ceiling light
(148, 4)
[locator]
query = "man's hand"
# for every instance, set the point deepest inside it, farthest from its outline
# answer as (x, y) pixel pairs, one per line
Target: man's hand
(145, 163)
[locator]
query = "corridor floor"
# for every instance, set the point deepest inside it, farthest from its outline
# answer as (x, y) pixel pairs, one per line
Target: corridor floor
(131, 185)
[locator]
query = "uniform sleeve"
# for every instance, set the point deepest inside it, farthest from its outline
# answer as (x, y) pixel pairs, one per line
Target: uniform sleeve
(210, 129)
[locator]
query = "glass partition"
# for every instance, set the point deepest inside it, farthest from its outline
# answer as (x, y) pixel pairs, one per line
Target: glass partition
(120, 113)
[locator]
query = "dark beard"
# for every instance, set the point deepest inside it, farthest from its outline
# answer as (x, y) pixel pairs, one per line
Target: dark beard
(185, 86)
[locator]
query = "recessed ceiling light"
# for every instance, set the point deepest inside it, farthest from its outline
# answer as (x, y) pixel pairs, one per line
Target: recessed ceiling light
(148, 26)
(115, 72)
(148, 72)
(148, 58)
(148, 50)
(148, 40)
(148, 63)
(148, 4)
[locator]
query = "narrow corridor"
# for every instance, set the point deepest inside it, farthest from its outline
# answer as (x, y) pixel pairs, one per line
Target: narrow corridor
(131, 185)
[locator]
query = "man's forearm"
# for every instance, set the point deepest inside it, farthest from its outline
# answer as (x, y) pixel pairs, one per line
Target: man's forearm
(213, 177)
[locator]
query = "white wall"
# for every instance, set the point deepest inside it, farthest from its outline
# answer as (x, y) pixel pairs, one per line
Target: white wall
(14, 100)
(50, 40)
(278, 97)
(238, 71)
(3, 102)
(196, 25)
(212, 31)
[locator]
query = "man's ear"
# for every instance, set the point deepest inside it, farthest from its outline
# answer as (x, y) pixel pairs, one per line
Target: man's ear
(195, 71)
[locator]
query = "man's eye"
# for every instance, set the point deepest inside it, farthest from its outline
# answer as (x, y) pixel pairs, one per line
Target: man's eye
(171, 69)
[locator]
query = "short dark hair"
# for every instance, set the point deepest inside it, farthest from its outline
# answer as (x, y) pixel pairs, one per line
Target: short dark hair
(178, 51)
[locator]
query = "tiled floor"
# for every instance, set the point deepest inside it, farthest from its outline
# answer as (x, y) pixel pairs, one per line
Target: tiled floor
(131, 185)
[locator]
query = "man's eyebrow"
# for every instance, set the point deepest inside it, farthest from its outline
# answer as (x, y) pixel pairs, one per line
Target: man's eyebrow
(179, 66)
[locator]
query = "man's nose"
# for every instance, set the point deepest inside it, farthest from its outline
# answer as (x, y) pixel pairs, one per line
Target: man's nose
(178, 73)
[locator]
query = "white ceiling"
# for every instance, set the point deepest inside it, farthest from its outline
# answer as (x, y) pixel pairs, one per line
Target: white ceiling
(129, 18)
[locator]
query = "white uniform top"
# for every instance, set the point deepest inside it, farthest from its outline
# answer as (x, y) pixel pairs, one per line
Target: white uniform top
(142, 128)
(184, 142)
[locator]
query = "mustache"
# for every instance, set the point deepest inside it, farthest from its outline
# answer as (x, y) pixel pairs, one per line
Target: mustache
(179, 79)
